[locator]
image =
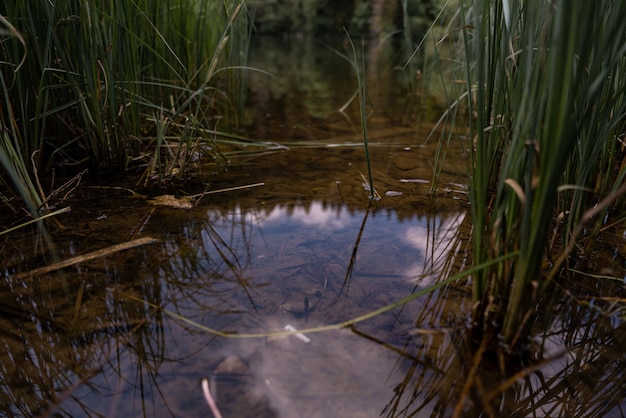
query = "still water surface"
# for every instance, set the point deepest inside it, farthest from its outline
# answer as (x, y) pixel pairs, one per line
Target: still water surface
(307, 248)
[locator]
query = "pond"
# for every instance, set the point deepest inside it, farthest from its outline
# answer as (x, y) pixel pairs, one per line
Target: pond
(285, 239)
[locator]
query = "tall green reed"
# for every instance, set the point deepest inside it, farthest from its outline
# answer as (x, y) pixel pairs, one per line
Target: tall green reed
(91, 74)
(358, 63)
(546, 92)
(11, 158)
(362, 89)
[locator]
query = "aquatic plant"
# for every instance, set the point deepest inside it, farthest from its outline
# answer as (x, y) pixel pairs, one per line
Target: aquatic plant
(10, 153)
(556, 385)
(546, 95)
(107, 84)
(358, 64)
(359, 67)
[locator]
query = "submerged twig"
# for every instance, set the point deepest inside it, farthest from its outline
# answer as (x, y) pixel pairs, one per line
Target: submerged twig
(86, 257)
(297, 334)
(209, 398)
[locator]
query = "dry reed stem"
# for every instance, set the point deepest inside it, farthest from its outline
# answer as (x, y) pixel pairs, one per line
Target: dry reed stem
(589, 214)
(86, 257)
(476, 361)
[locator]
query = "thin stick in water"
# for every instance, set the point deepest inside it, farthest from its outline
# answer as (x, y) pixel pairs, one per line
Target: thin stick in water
(209, 398)
(86, 257)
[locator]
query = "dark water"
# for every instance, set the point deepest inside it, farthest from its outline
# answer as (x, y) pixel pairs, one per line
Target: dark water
(134, 333)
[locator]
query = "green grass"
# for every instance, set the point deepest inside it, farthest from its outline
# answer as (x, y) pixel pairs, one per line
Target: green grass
(359, 68)
(546, 96)
(111, 84)
(357, 61)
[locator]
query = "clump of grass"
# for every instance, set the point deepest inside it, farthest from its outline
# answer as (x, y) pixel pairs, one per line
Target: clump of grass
(82, 79)
(547, 95)
(11, 158)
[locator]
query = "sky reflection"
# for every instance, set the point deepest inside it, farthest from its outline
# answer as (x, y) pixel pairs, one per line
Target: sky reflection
(305, 266)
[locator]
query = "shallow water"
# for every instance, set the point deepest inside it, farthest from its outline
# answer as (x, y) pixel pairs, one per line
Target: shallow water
(134, 333)
(307, 253)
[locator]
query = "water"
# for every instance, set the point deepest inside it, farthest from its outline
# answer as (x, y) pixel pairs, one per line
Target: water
(134, 333)
(258, 270)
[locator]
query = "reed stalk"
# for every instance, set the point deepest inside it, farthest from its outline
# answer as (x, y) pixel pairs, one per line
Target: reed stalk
(359, 68)
(546, 91)
(82, 78)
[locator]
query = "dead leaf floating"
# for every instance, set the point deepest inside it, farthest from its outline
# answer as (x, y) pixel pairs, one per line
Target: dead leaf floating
(171, 201)
(187, 202)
